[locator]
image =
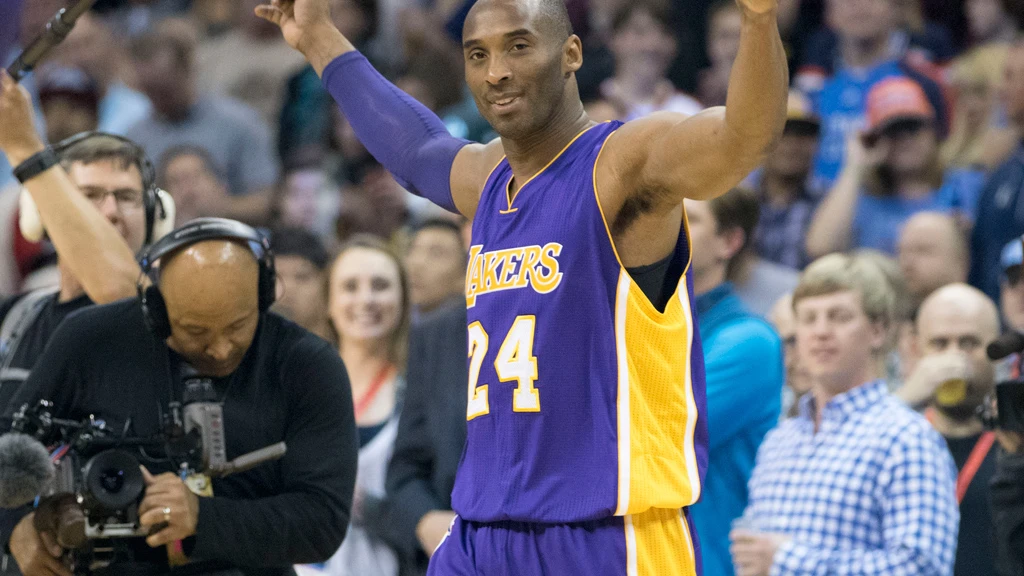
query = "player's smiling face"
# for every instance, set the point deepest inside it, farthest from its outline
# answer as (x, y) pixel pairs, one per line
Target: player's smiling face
(517, 65)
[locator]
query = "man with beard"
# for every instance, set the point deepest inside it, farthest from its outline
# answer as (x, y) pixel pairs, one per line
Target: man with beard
(954, 326)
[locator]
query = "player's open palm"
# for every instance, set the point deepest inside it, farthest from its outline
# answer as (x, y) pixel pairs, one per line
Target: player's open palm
(298, 19)
(759, 6)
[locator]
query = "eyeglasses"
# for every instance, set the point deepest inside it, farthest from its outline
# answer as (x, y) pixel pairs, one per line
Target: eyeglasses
(126, 199)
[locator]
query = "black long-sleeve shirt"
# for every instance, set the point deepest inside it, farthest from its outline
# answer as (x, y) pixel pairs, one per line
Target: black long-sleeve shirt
(291, 386)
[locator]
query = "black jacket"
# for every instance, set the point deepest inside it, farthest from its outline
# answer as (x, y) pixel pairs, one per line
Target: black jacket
(432, 428)
(1008, 513)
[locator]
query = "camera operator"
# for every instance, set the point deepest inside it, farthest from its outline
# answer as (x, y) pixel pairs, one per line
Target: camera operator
(275, 381)
(954, 326)
(1008, 482)
(96, 231)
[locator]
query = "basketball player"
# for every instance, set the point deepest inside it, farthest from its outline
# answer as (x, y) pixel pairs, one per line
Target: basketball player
(586, 437)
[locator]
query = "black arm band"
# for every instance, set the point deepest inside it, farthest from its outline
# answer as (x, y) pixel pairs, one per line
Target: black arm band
(36, 164)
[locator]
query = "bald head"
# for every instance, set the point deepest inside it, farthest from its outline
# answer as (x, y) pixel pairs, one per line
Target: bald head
(954, 312)
(959, 319)
(548, 16)
(211, 290)
(933, 252)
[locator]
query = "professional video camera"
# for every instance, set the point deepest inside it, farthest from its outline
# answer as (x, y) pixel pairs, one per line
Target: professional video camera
(85, 476)
(1006, 412)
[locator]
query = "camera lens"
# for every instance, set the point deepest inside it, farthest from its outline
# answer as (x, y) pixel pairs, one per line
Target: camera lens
(112, 479)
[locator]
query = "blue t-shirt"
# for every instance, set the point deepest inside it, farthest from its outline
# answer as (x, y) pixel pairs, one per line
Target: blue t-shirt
(744, 373)
(878, 219)
(842, 106)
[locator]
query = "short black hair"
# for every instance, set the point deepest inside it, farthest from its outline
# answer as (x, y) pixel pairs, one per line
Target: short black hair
(440, 224)
(555, 12)
(296, 241)
(550, 13)
(737, 208)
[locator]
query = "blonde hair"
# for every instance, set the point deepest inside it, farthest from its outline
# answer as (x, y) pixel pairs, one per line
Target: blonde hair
(842, 272)
(398, 345)
(981, 70)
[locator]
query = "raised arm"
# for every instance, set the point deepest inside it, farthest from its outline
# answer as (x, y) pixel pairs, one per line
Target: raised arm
(402, 134)
(705, 155)
(86, 242)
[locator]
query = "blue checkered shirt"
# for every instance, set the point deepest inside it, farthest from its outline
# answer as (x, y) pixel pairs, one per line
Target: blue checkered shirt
(872, 492)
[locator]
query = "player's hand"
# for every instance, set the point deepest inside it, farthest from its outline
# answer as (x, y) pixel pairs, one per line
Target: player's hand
(754, 552)
(759, 6)
(169, 510)
(37, 554)
(432, 528)
(18, 137)
(299, 20)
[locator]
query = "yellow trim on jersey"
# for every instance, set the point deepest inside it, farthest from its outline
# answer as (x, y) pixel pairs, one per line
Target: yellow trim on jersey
(656, 411)
(509, 198)
(658, 543)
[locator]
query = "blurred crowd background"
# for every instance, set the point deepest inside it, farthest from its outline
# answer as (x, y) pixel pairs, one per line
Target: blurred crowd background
(903, 143)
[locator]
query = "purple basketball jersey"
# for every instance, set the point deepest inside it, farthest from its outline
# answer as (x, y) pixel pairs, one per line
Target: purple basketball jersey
(584, 401)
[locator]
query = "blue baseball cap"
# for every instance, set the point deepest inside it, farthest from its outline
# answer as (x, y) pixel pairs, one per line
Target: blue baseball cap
(1012, 255)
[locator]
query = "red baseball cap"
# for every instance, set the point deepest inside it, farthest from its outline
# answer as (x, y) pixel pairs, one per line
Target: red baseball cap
(894, 99)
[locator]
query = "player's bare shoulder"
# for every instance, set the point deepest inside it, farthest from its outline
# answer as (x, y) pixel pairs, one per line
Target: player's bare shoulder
(619, 174)
(473, 165)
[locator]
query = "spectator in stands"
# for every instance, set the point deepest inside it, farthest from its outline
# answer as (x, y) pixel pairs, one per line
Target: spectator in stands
(857, 28)
(368, 305)
(891, 173)
(975, 79)
(300, 260)
(990, 22)
(797, 382)
(954, 376)
(189, 175)
(932, 252)
(306, 198)
(866, 55)
(307, 111)
(723, 43)
(437, 265)
(758, 283)
(857, 479)
(1001, 206)
(644, 46)
(69, 100)
(233, 133)
(250, 63)
(435, 78)
(743, 365)
(1011, 286)
(783, 187)
(431, 435)
(93, 46)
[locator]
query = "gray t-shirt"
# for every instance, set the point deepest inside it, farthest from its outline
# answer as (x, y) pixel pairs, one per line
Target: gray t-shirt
(233, 134)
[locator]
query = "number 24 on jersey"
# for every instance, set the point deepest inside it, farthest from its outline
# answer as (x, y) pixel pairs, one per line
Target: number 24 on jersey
(514, 363)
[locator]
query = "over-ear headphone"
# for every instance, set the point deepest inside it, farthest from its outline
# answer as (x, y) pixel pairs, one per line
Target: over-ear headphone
(154, 309)
(158, 204)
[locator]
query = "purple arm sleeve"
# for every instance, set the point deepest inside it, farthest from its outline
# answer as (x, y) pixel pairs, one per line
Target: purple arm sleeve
(402, 134)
